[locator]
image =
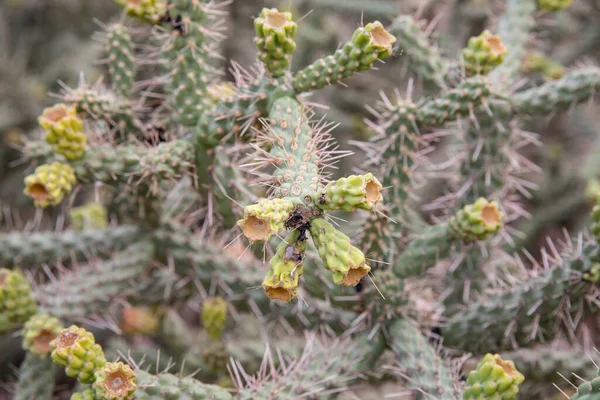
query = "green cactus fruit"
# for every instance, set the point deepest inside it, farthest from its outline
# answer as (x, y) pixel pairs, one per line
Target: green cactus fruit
(588, 390)
(553, 5)
(214, 316)
(64, 131)
(349, 193)
(281, 282)
(114, 381)
(87, 394)
(76, 349)
(346, 262)
(150, 11)
(17, 304)
(595, 225)
(477, 221)
(369, 43)
(265, 218)
(483, 53)
(50, 183)
(92, 216)
(274, 39)
(493, 379)
(139, 320)
(38, 332)
(593, 274)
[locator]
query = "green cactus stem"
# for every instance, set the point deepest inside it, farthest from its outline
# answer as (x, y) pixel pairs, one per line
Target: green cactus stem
(589, 390)
(36, 378)
(426, 371)
(74, 295)
(574, 87)
(494, 378)
(528, 311)
(29, 250)
(77, 351)
(274, 39)
(167, 386)
(369, 44)
(121, 58)
(423, 57)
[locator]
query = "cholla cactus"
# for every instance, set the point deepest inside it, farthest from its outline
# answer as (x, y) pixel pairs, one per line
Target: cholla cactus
(179, 160)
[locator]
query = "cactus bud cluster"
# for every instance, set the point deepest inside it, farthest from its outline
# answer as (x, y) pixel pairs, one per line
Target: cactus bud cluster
(476, 221)
(494, 378)
(50, 183)
(76, 350)
(275, 32)
(38, 332)
(16, 300)
(64, 130)
(483, 53)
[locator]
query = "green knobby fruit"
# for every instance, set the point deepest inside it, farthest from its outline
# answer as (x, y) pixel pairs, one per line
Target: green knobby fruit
(274, 39)
(346, 262)
(493, 379)
(475, 222)
(588, 390)
(17, 304)
(87, 394)
(50, 183)
(281, 282)
(114, 381)
(76, 349)
(150, 11)
(265, 218)
(64, 131)
(121, 58)
(349, 193)
(91, 216)
(553, 5)
(369, 44)
(38, 332)
(483, 53)
(214, 316)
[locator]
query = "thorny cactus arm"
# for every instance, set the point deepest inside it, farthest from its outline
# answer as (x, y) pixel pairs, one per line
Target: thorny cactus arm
(121, 58)
(422, 366)
(514, 27)
(297, 151)
(36, 378)
(475, 222)
(534, 309)
(574, 87)
(369, 44)
(29, 250)
(423, 58)
(588, 390)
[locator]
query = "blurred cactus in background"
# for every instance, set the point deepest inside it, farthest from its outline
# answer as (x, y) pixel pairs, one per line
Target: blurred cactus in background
(157, 209)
